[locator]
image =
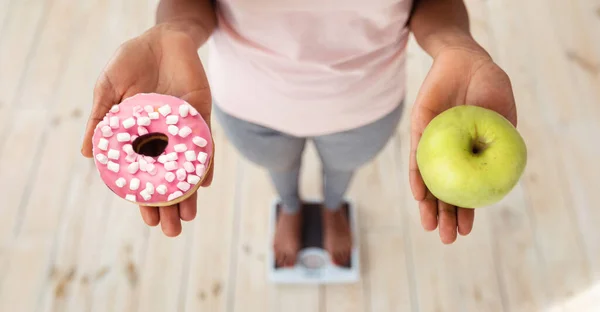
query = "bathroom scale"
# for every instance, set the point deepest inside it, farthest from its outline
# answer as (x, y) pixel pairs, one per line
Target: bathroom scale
(313, 263)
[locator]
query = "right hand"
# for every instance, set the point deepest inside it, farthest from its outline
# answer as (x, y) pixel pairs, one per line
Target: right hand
(162, 60)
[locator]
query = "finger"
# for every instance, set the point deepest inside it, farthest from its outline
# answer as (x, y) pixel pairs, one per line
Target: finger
(465, 220)
(428, 209)
(187, 208)
(150, 215)
(417, 186)
(170, 221)
(447, 215)
(105, 97)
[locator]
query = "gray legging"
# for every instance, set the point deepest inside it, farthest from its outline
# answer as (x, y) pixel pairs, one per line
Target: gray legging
(341, 154)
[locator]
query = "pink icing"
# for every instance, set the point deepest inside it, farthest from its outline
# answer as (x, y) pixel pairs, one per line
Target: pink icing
(136, 107)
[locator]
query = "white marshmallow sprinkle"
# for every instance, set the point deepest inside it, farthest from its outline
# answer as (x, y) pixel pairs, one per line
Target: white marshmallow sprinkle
(114, 109)
(143, 164)
(103, 144)
(114, 167)
(190, 155)
(175, 195)
(161, 189)
(143, 121)
(149, 109)
(113, 154)
(120, 182)
(180, 174)
(114, 122)
(153, 115)
(106, 131)
(173, 130)
(201, 142)
(142, 130)
(150, 188)
(184, 186)
(172, 156)
(202, 156)
(193, 179)
(185, 131)
(170, 165)
(134, 184)
(128, 149)
(170, 176)
(184, 110)
(128, 123)
(123, 137)
(164, 110)
(145, 195)
(188, 166)
(130, 197)
(151, 169)
(180, 148)
(101, 158)
(133, 167)
(172, 119)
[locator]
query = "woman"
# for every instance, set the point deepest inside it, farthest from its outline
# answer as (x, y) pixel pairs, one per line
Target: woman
(332, 71)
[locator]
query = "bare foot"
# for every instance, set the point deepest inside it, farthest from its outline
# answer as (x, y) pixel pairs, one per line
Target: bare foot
(287, 238)
(337, 235)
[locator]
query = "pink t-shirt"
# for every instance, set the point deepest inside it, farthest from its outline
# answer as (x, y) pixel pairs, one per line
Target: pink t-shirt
(309, 67)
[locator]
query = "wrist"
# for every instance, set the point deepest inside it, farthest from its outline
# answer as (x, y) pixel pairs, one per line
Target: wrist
(451, 39)
(194, 29)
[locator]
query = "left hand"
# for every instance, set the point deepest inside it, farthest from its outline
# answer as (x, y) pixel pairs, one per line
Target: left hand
(458, 76)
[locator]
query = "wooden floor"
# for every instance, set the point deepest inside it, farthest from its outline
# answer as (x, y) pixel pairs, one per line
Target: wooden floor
(67, 244)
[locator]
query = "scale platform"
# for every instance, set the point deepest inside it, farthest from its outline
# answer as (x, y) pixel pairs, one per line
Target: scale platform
(313, 264)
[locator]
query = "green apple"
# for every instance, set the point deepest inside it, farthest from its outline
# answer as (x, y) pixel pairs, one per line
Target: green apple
(471, 156)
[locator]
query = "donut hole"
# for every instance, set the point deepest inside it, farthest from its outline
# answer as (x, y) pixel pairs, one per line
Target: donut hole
(150, 144)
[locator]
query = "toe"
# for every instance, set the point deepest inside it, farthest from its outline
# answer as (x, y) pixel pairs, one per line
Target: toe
(278, 258)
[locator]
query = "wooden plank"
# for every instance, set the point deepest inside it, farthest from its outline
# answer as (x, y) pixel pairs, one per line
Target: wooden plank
(385, 274)
(251, 291)
(583, 175)
(42, 212)
(563, 261)
(80, 247)
(40, 86)
(519, 254)
(19, 36)
(66, 268)
(51, 52)
(6, 6)
(123, 253)
(555, 87)
(209, 280)
(164, 270)
(564, 264)
(374, 195)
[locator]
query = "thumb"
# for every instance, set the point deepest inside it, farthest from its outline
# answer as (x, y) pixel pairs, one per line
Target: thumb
(105, 97)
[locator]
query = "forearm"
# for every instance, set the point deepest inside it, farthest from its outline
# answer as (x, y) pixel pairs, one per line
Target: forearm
(437, 24)
(194, 17)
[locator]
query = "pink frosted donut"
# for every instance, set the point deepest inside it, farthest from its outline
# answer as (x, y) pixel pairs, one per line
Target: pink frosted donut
(153, 149)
